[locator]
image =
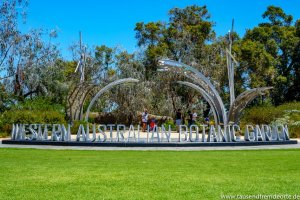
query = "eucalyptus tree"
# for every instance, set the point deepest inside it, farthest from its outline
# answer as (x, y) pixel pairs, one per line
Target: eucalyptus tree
(129, 99)
(186, 37)
(36, 59)
(27, 60)
(10, 37)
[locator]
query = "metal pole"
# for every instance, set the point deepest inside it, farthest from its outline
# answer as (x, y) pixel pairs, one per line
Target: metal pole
(230, 66)
(80, 41)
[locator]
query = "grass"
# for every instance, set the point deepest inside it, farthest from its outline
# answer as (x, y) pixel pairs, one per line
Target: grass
(67, 174)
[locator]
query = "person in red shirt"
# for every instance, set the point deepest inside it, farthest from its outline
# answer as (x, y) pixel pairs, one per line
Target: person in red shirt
(152, 123)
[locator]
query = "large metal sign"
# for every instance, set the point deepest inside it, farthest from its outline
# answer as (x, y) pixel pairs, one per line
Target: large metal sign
(225, 130)
(120, 133)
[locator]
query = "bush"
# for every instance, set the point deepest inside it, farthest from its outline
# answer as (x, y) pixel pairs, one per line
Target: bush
(170, 123)
(288, 113)
(76, 125)
(29, 117)
(31, 111)
(4, 135)
(39, 104)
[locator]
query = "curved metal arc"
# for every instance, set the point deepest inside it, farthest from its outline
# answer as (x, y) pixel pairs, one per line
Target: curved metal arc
(242, 101)
(205, 96)
(203, 81)
(107, 87)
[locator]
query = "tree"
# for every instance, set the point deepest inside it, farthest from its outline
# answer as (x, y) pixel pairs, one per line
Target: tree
(183, 38)
(150, 36)
(25, 57)
(10, 36)
(188, 31)
(268, 54)
(277, 16)
(294, 90)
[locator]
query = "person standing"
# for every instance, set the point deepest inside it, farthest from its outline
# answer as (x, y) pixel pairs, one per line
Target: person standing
(178, 120)
(190, 118)
(206, 120)
(145, 116)
(153, 123)
(194, 117)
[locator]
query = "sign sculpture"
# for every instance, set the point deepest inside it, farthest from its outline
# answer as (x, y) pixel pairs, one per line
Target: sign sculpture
(225, 131)
(111, 133)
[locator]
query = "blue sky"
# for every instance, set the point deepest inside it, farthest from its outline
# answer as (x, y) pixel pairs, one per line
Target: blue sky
(112, 22)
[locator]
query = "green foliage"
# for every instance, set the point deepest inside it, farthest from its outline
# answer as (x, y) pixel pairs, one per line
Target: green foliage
(5, 98)
(76, 125)
(104, 57)
(170, 123)
(32, 111)
(277, 16)
(181, 38)
(288, 113)
(38, 104)
(269, 56)
(29, 117)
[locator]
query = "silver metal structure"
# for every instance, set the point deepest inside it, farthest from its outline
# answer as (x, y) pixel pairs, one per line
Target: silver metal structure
(230, 66)
(81, 63)
(242, 101)
(76, 99)
(203, 82)
(210, 94)
(107, 87)
(206, 96)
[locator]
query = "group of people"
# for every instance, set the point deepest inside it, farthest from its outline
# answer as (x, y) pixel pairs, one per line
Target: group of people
(179, 120)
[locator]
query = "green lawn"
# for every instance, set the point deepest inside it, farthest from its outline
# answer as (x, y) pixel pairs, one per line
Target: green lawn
(61, 174)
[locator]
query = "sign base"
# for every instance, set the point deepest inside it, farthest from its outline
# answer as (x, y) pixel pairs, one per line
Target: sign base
(154, 144)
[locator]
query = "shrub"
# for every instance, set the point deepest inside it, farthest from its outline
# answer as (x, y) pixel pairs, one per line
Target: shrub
(288, 113)
(32, 111)
(28, 117)
(170, 123)
(76, 125)
(38, 104)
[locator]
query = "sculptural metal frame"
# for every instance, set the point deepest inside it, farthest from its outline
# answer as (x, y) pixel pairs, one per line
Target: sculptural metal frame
(242, 101)
(211, 95)
(203, 82)
(104, 89)
(205, 95)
